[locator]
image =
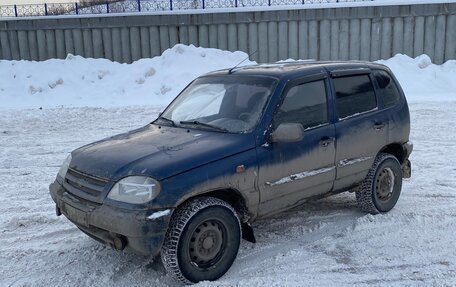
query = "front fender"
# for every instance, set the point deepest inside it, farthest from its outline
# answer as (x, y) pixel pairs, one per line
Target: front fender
(223, 174)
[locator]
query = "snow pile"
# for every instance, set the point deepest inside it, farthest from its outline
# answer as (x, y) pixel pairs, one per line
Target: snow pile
(77, 81)
(422, 80)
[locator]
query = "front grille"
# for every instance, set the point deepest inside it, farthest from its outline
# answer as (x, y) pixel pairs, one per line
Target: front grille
(85, 186)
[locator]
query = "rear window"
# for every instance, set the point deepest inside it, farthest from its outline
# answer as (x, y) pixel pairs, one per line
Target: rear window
(387, 88)
(354, 95)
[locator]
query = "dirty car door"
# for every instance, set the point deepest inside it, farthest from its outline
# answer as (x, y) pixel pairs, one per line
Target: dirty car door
(361, 127)
(292, 171)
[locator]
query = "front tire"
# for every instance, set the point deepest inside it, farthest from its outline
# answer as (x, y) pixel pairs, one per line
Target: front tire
(202, 240)
(382, 186)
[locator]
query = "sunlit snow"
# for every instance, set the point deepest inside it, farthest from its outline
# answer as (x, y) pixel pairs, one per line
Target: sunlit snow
(322, 243)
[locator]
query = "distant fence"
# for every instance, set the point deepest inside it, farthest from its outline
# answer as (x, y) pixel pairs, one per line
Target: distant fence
(129, 6)
(356, 33)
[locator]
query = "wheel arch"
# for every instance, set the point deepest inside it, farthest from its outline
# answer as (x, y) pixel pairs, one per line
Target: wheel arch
(231, 196)
(396, 150)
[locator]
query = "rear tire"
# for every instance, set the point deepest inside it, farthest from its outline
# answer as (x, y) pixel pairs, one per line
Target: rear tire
(382, 186)
(202, 240)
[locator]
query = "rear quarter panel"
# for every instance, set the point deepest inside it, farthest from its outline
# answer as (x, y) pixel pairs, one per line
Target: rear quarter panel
(399, 117)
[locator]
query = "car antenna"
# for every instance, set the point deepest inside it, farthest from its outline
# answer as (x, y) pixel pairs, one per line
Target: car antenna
(230, 71)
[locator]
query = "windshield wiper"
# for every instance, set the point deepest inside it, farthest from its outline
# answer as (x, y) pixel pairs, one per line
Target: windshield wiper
(204, 125)
(167, 120)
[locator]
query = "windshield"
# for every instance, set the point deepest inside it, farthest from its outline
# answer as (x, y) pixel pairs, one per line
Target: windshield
(229, 103)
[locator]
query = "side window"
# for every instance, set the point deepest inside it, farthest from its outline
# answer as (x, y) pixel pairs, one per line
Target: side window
(387, 88)
(304, 104)
(354, 95)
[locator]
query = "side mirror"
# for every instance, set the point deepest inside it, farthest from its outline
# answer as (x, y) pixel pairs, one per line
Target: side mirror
(288, 132)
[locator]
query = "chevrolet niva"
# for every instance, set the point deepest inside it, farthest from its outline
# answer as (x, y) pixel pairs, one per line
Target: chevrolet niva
(234, 146)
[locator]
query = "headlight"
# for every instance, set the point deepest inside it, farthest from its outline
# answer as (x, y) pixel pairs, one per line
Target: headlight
(135, 189)
(64, 168)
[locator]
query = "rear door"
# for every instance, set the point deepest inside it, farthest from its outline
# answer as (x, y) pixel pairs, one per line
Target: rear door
(290, 172)
(361, 128)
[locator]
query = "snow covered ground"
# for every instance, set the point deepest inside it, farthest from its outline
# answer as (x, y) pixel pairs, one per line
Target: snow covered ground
(321, 243)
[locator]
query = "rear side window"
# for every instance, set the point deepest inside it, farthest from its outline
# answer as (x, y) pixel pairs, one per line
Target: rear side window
(354, 95)
(304, 104)
(387, 88)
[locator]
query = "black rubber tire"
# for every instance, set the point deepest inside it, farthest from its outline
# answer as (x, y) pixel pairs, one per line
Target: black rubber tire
(184, 222)
(367, 197)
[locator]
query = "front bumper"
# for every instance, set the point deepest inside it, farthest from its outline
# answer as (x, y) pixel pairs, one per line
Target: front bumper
(117, 227)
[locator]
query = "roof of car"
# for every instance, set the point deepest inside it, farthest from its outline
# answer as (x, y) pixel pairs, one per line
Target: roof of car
(288, 69)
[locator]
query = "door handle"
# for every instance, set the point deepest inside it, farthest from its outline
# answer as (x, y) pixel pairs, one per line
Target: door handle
(325, 141)
(379, 126)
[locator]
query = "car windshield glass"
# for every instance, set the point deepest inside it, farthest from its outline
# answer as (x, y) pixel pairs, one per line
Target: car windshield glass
(228, 103)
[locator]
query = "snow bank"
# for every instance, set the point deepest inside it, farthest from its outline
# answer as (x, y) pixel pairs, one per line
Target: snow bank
(422, 80)
(77, 81)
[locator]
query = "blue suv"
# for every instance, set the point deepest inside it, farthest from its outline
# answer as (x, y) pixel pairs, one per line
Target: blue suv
(237, 145)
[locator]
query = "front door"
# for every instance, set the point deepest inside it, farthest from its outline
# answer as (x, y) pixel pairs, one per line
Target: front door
(290, 172)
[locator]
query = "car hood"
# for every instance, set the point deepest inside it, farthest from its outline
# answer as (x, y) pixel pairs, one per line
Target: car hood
(157, 151)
